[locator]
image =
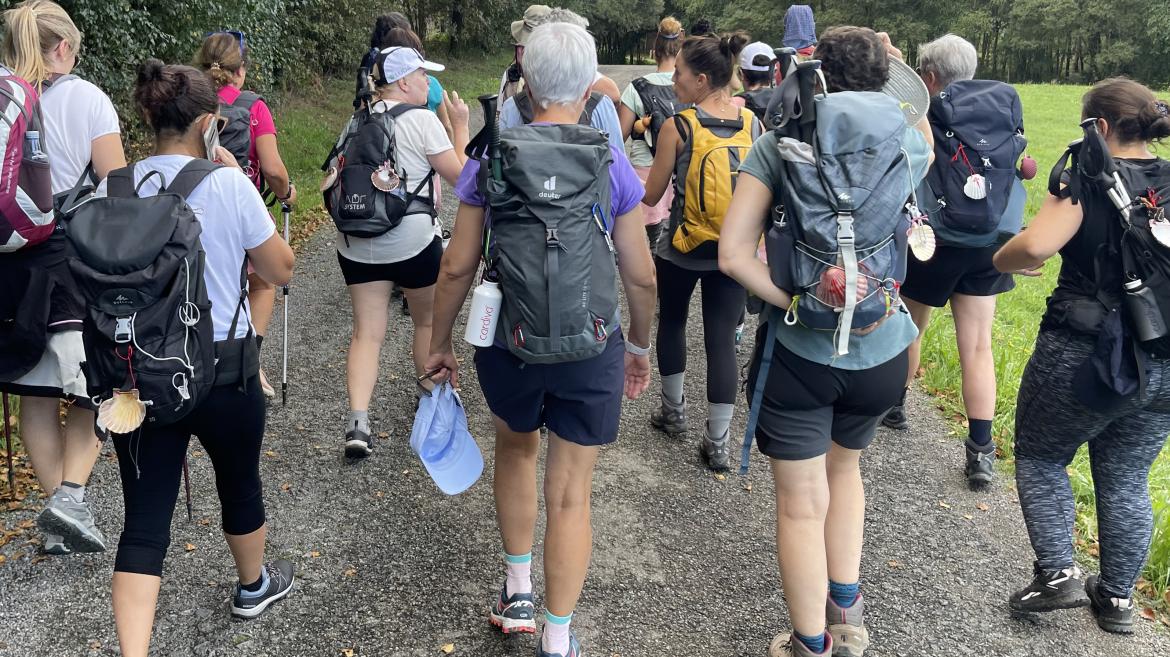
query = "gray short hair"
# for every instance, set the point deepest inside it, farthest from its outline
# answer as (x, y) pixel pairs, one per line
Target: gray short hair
(560, 62)
(950, 57)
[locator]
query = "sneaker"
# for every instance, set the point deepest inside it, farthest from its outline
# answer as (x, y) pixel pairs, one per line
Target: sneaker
(847, 628)
(786, 645)
(895, 418)
(358, 444)
(717, 453)
(54, 544)
(1113, 614)
(1051, 590)
(280, 582)
(514, 613)
(574, 648)
(980, 468)
(670, 420)
(73, 521)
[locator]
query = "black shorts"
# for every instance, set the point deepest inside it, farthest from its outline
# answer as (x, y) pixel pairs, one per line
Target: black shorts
(418, 272)
(954, 270)
(807, 406)
(579, 401)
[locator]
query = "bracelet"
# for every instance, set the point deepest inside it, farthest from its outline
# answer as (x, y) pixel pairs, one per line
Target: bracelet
(634, 349)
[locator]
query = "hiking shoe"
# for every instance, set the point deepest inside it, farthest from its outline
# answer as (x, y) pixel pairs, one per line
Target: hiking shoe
(1113, 614)
(54, 544)
(574, 648)
(1051, 590)
(513, 613)
(847, 628)
(670, 420)
(787, 645)
(73, 522)
(358, 444)
(895, 418)
(980, 468)
(716, 453)
(280, 582)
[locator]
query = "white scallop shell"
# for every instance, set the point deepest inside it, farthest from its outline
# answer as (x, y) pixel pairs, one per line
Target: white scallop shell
(1161, 232)
(921, 241)
(385, 177)
(976, 187)
(122, 413)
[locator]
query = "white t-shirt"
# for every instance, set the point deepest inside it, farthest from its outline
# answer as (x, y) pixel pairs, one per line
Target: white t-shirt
(233, 218)
(76, 112)
(418, 135)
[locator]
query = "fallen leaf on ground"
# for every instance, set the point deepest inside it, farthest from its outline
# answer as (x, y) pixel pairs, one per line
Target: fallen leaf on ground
(190, 547)
(3, 558)
(894, 564)
(968, 516)
(721, 477)
(447, 648)
(286, 487)
(196, 453)
(1147, 613)
(314, 554)
(944, 504)
(748, 488)
(203, 522)
(383, 434)
(406, 472)
(983, 506)
(347, 652)
(350, 572)
(270, 454)
(379, 494)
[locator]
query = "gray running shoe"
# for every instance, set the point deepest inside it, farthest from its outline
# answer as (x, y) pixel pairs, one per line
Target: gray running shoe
(55, 545)
(671, 420)
(717, 453)
(73, 521)
(1113, 614)
(786, 645)
(847, 627)
(980, 468)
(280, 582)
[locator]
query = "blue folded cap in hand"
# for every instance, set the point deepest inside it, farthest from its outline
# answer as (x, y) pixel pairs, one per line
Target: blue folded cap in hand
(443, 443)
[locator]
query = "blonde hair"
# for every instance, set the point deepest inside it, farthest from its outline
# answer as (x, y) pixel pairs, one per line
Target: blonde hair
(667, 43)
(32, 30)
(221, 58)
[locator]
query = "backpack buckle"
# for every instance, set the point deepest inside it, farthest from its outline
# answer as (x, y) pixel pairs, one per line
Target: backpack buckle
(550, 238)
(845, 227)
(122, 330)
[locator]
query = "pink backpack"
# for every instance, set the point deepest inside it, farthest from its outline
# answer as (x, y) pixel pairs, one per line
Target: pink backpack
(26, 195)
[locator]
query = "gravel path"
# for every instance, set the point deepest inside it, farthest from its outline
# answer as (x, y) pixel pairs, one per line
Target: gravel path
(684, 562)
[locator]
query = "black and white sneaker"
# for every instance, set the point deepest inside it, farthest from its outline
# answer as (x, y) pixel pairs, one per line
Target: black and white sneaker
(1051, 590)
(358, 444)
(280, 582)
(1113, 614)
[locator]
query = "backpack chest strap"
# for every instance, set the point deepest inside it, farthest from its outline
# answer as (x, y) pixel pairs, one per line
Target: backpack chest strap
(847, 249)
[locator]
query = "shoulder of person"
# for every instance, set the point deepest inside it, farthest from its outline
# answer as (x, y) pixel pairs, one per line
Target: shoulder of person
(232, 181)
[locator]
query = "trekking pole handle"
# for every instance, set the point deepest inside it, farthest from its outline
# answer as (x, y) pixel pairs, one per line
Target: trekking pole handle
(489, 103)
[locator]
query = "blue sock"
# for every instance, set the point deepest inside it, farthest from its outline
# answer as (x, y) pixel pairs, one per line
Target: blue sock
(844, 595)
(813, 643)
(979, 431)
(257, 588)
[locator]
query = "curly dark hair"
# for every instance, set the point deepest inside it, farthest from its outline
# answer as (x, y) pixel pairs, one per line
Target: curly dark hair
(853, 59)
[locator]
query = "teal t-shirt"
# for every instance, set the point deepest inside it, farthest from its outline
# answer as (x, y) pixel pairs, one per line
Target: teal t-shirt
(892, 336)
(434, 94)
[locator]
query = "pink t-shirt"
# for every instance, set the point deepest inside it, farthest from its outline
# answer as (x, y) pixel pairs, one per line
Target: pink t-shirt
(262, 124)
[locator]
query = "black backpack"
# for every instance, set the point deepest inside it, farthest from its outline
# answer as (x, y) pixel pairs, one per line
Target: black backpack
(978, 129)
(236, 135)
(524, 104)
(366, 151)
(139, 264)
(660, 103)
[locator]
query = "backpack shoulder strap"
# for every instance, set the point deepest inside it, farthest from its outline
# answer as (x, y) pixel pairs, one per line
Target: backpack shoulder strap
(191, 175)
(590, 106)
(246, 100)
(120, 182)
(402, 108)
(524, 106)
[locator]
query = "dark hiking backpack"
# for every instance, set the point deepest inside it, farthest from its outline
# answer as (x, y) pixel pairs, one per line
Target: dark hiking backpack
(660, 103)
(26, 195)
(978, 129)
(139, 263)
(527, 113)
(757, 101)
(366, 149)
(548, 242)
(236, 135)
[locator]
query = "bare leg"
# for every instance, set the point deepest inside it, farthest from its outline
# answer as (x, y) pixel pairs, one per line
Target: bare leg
(135, 597)
(422, 303)
(514, 486)
(974, 317)
(248, 551)
(81, 445)
(845, 523)
(568, 540)
(920, 313)
(40, 427)
(802, 504)
(370, 314)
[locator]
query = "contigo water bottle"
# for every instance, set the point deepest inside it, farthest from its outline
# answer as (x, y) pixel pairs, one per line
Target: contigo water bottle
(485, 312)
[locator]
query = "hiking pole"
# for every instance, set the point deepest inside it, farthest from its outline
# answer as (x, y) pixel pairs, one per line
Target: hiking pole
(8, 448)
(488, 102)
(286, 212)
(187, 485)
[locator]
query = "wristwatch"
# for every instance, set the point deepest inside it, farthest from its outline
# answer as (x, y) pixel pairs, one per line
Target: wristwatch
(634, 349)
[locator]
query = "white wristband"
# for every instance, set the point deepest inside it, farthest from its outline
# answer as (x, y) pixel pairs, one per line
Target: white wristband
(634, 349)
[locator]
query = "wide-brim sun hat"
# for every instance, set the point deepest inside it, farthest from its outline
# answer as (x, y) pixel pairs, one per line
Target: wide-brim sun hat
(909, 90)
(443, 443)
(533, 16)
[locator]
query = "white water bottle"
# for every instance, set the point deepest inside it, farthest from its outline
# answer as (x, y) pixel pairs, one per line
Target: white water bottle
(486, 301)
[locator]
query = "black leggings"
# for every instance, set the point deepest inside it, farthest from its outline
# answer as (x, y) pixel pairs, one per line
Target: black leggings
(723, 303)
(230, 426)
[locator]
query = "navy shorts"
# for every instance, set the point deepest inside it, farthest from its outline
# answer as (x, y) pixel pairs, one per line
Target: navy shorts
(954, 270)
(579, 401)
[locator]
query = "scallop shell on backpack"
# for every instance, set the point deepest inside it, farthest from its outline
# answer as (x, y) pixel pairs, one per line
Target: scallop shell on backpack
(122, 413)
(922, 241)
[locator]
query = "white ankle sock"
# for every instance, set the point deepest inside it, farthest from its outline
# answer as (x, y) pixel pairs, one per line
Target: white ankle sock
(519, 573)
(556, 633)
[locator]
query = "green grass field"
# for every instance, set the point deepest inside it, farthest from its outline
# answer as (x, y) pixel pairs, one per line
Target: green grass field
(1051, 115)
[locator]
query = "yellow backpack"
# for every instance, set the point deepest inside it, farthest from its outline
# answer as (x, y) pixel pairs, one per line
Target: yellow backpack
(705, 180)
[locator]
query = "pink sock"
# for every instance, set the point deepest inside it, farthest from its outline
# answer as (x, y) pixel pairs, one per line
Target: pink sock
(519, 572)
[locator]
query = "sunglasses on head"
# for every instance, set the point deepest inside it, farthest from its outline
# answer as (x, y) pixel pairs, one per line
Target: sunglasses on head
(238, 34)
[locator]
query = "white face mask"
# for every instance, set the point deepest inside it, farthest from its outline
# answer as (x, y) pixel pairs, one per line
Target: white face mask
(211, 138)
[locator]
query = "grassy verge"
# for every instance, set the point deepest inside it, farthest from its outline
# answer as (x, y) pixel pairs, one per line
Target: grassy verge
(1051, 114)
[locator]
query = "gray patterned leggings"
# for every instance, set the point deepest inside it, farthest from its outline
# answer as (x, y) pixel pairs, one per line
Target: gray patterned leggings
(1051, 424)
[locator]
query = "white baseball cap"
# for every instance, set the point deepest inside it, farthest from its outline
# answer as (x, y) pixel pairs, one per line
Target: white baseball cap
(397, 62)
(748, 56)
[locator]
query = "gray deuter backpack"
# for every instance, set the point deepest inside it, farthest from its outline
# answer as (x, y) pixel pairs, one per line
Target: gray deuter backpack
(549, 245)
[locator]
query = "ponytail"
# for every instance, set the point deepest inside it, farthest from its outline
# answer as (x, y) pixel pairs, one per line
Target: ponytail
(668, 41)
(1133, 112)
(713, 56)
(221, 56)
(32, 30)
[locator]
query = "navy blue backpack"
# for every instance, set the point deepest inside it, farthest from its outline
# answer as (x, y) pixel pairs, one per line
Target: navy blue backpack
(978, 131)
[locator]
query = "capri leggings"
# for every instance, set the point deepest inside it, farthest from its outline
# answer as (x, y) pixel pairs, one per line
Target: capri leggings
(230, 426)
(723, 303)
(1051, 424)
